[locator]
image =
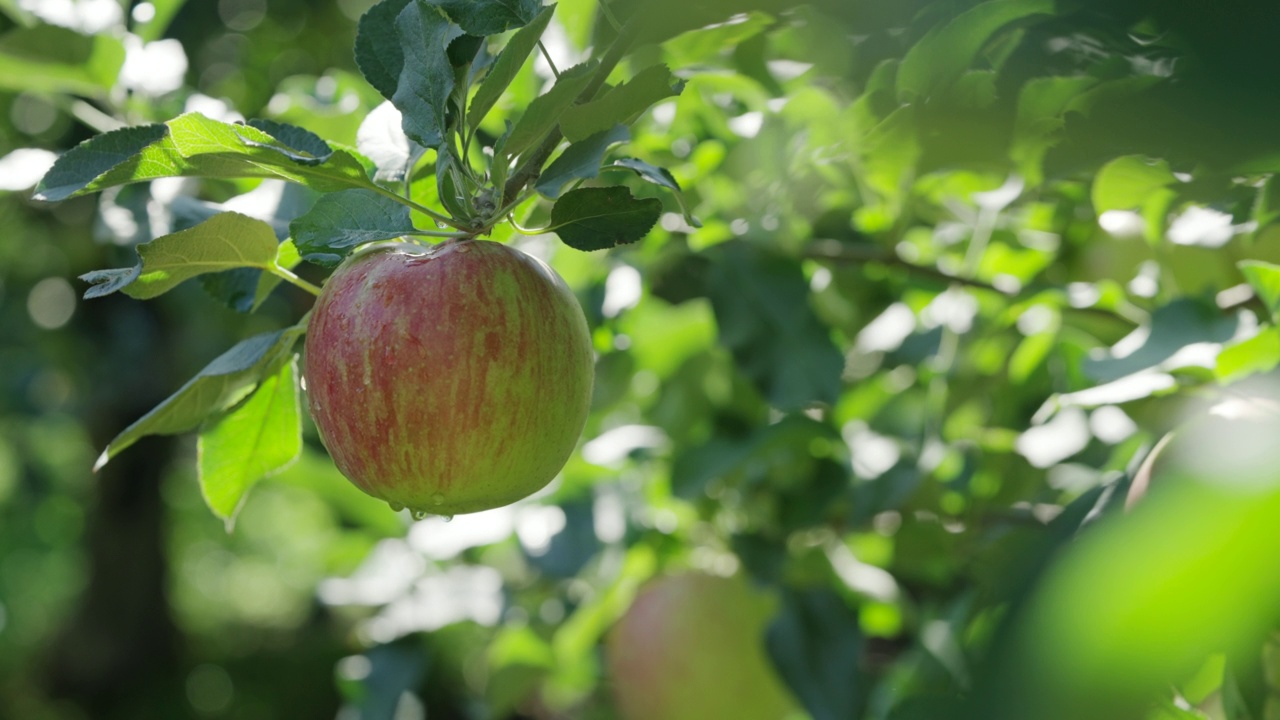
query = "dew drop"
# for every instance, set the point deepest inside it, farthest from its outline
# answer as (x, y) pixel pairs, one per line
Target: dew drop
(437, 499)
(419, 514)
(395, 506)
(446, 518)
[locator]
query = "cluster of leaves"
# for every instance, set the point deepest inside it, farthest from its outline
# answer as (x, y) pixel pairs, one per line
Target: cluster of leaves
(432, 62)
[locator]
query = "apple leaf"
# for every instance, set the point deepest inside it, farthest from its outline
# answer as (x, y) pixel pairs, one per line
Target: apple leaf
(1042, 104)
(762, 309)
(599, 218)
(377, 51)
(298, 144)
(193, 145)
(220, 385)
(508, 64)
(1126, 183)
(490, 17)
(341, 221)
(287, 257)
(947, 51)
(659, 176)
(223, 242)
(620, 105)
(49, 59)
(579, 161)
(815, 644)
(545, 111)
(255, 440)
(1258, 354)
(426, 80)
(1265, 279)
(92, 158)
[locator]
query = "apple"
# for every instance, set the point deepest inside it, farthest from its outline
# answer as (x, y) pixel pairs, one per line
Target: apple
(691, 647)
(450, 379)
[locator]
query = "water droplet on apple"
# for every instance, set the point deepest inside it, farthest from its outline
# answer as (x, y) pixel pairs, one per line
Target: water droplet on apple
(446, 518)
(437, 499)
(419, 514)
(395, 506)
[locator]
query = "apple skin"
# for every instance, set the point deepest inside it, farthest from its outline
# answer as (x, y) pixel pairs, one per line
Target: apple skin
(451, 380)
(691, 647)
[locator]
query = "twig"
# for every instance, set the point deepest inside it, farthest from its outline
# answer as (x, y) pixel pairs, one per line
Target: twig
(836, 251)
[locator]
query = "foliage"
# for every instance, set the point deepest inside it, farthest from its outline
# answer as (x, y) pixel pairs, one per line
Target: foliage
(891, 302)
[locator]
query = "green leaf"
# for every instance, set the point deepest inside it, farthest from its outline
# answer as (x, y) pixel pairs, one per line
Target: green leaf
(49, 59)
(219, 386)
(490, 17)
(377, 50)
(1258, 354)
(816, 646)
(621, 105)
(508, 64)
(1265, 279)
(659, 176)
(341, 221)
(1266, 209)
(1042, 103)
(286, 257)
(255, 440)
(225, 241)
(545, 111)
(1126, 182)
(761, 303)
(579, 161)
(75, 169)
(600, 218)
(426, 82)
(163, 13)
(947, 51)
(193, 145)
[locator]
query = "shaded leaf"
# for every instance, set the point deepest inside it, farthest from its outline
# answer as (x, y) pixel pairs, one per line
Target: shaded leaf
(219, 386)
(621, 105)
(660, 176)
(762, 310)
(579, 161)
(300, 145)
(426, 80)
(257, 439)
(377, 49)
(815, 645)
(508, 64)
(599, 218)
(341, 221)
(490, 17)
(106, 282)
(947, 51)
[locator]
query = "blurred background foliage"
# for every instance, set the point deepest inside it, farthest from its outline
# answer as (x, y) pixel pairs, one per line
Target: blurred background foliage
(961, 266)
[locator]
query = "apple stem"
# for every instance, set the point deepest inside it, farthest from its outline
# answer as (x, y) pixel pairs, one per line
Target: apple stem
(290, 277)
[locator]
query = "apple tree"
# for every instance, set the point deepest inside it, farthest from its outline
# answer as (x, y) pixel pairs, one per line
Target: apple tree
(778, 359)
